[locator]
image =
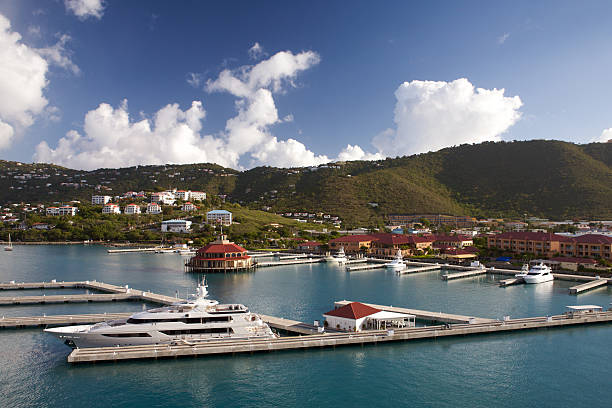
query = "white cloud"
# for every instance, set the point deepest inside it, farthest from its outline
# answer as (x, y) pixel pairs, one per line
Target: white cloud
(502, 38)
(432, 115)
(84, 9)
(606, 136)
(22, 82)
(112, 139)
(256, 51)
(355, 152)
(58, 54)
(194, 79)
(34, 31)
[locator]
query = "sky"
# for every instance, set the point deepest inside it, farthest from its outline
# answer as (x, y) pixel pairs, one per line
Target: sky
(109, 83)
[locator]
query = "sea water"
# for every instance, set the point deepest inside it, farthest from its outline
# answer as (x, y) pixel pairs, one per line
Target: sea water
(568, 367)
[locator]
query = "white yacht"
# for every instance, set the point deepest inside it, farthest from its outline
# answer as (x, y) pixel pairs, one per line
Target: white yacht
(524, 271)
(398, 263)
(340, 257)
(477, 265)
(190, 322)
(539, 273)
(9, 247)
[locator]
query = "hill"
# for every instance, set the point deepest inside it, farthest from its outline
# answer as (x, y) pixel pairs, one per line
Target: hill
(551, 179)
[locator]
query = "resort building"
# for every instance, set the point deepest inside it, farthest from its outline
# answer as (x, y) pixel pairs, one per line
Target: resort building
(111, 209)
(220, 256)
(447, 241)
(176, 226)
(100, 199)
(188, 207)
(547, 244)
(219, 217)
(572, 264)
(434, 219)
(132, 209)
(186, 195)
(182, 195)
(352, 244)
(63, 210)
(356, 316)
(387, 245)
(154, 208)
(165, 197)
(311, 247)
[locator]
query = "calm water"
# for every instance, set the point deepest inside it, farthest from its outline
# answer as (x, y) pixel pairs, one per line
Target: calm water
(545, 368)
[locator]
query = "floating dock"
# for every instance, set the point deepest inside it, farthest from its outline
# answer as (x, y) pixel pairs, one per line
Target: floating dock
(84, 355)
(54, 320)
(575, 290)
(419, 269)
(290, 262)
(511, 281)
(115, 293)
(465, 274)
(128, 250)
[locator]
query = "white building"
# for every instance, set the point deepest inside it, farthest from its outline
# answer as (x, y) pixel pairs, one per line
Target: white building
(219, 217)
(165, 197)
(63, 210)
(356, 316)
(183, 195)
(197, 195)
(176, 226)
(111, 209)
(100, 199)
(188, 207)
(132, 209)
(154, 208)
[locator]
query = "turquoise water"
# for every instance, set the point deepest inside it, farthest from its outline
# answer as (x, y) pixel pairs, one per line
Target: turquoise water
(544, 368)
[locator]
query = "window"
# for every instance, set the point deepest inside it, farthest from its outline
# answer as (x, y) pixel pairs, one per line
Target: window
(126, 335)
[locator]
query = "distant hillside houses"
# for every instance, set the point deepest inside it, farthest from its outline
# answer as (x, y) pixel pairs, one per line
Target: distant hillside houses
(111, 209)
(100, 199)
(176, 226)
(132, 209)
(154, 208)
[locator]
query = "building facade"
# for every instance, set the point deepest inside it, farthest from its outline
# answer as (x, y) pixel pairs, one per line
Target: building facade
(220, 256)
(219, 217)
(63, 210)
(100, 199)
(154, 208)
(188, 207)
(111, 209)
(132, 209)
(434, 219)
(176, 226)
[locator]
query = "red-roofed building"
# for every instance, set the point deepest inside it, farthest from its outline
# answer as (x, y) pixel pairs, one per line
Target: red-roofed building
(220, 256)
(572, 263)
(386, 245)
(349, 317)
(444, 241)
(309, 246)
(548, 244)
(352, 244)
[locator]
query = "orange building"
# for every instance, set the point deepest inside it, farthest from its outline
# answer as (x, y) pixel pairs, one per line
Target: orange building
(220, 256)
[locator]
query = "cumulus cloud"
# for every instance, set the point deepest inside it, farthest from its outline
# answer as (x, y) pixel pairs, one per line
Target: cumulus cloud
(84, 9)
(432, 115)
(606, 136)
(59, 55)
(22, 82)
(256, 51)
(111, 139)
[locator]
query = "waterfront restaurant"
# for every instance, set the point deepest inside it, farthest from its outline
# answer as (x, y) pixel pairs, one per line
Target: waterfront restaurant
(356, 316)
(220, 256)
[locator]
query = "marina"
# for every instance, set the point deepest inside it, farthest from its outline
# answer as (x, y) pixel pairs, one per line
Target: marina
(89, 355)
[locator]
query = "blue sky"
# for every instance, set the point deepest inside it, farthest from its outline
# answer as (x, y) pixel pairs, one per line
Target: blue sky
(553, 59)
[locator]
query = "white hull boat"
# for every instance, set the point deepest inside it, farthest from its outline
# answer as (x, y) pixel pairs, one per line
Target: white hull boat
(539, 273)
(190, 322)
(398, 263)
(340, 257)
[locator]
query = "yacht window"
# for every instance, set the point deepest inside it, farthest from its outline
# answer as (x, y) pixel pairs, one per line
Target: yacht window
(214, 330)
(127, 335)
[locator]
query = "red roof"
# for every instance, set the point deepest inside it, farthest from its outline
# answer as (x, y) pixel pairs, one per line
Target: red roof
(449, 238)
(574, 260)
(225, 259)
(531, 236)
(310, 244)
(353, 238)
(592, 239)
(399, 239)
(354, 310)
(220, 248)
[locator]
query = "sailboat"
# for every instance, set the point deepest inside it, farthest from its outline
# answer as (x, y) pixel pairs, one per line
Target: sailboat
(9, 247)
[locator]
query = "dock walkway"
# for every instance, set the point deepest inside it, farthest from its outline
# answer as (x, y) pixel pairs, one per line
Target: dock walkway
(575, 290)
(465, 274)
(37, 321)
(329, 339)
(290, 262)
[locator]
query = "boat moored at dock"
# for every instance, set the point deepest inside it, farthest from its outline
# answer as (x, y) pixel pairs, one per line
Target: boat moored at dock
(398, 263)
(539, 273)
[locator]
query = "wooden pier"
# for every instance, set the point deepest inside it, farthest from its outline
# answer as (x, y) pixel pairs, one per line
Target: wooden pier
(330, 339)
(575, 290)
(419, 269)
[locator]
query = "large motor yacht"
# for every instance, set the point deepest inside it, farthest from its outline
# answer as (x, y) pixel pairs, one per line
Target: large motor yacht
(190, 322)
(398, 263)
(539, 273)
(340, 257)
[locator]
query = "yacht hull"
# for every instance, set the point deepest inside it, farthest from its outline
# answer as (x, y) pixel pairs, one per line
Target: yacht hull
(538, 279)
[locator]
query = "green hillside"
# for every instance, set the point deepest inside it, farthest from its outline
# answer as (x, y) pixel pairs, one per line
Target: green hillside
(544, 178)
